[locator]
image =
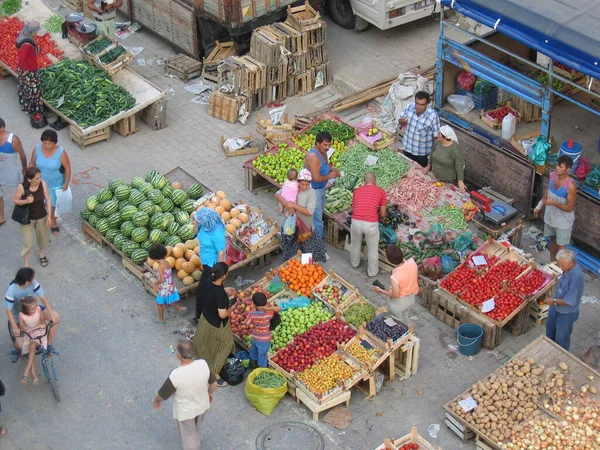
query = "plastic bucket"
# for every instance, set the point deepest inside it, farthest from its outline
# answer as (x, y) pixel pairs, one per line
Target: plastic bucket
(572, 149)
(469, 338)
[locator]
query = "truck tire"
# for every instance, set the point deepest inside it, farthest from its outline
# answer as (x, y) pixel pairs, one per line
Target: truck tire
(341, 13)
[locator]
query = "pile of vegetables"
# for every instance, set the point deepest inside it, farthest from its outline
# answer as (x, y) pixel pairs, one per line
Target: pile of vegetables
(383, 331)
(359, 313)
(89, 96)
(338, 199)
(275, 164)
(112, 54)
(269, 380)
(53, 24)
(9, 7)
(414, 192)
(389, 168)
(339, 131)
(556, 83)
(424, 249)
(497, 115)
(451, 217)
(97, 46)
(394, 217)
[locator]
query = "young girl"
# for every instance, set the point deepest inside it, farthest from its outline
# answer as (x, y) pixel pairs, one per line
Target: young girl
(167, 294)
(32, 322)
(289, 189)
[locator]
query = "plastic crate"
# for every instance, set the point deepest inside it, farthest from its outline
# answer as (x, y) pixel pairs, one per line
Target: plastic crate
(482, 101)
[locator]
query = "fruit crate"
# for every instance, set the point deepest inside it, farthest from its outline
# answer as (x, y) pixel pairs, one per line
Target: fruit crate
(482, 101)
(210, 64)
(223, 106)
(359, 298)
(389, 344)
(113, 66)
(326, 116)
(496, 124)
(183, 67)
(412, 438)
(538, 312)
(126, 126)
(256, 216)
(349, 292)
(83, 139)
(380, 353)
(362, 130)
(90, 56)
(268, 130)
(301, 17)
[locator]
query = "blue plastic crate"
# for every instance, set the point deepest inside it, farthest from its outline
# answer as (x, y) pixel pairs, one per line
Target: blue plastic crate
(482, 101)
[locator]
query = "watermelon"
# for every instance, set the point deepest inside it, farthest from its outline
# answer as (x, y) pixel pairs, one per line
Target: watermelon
(114, 183)
(139, 256)
(146, 244)
(122, 192)
(145, 188)
(167, 190)
(139, 234)
(141, 219)
(93, 220)
(150, 175)
(123, 203)
(136, 197)
(146, 206)
(168, 218)
(186, 231)
(104, 195)
(155, 196)
(182, 217)
(129, 247)
(102, 226)
(127, 228)
(172, 240)
(137, 182)
(119, 240)
(195, 191)
(127, 212)
(111, 207)
(178, 196)
(114, 220)
(156, 236)
(157, 210)
(112, 234)
(166, 205)
(173, 228)
(187, 206)
(92, 202)
(100, 210)
(156, 220)
(159, 181)
(85, 214)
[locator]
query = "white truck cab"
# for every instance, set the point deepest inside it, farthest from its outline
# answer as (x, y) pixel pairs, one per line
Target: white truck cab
(383, 14)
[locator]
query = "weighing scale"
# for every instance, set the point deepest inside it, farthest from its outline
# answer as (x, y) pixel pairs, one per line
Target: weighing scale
(78, 31)
(496, 212)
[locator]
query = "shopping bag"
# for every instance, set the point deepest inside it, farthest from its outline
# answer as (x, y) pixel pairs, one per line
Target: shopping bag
(233, 371)
(276, 285)
(539, 152)
(64, 201)
(289, 226)
(303, 233)
(264, 399)
(233, 254)
(432, 268)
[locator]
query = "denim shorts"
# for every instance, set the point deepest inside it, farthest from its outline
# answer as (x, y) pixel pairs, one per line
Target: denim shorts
(563, 235)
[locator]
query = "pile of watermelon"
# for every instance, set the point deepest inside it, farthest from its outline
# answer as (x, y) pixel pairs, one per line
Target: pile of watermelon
(144, 212)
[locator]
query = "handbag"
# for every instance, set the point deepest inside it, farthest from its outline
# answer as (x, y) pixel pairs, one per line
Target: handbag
(21, 212)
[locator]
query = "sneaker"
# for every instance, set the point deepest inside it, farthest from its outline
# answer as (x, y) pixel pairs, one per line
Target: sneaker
(14, 356)
(326, 257)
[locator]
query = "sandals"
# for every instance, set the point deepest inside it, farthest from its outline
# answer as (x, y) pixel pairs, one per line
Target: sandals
(55, 230)
(24, 379)
(44, 261)
(36, 381)
(222, 383)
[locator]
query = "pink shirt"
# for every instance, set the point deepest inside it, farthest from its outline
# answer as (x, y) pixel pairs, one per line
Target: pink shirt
(407, 276)
(289, 191)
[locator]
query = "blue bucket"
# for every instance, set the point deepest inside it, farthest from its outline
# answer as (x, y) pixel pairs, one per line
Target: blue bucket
(469, 338)
(572, 149)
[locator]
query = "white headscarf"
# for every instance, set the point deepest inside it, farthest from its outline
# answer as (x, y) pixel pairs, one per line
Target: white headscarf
(448, 132)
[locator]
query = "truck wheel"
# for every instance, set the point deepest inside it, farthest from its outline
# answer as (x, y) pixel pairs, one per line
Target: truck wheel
(341, 13)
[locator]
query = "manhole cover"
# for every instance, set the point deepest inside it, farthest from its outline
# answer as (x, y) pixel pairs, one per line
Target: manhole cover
(290, 436)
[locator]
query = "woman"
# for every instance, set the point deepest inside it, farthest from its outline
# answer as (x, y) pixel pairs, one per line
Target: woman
(34, 193)
(55, 165)
(213, 341)
(304, 209)
(30, 83)
(447, 160)
(211, 237)
(405, 282)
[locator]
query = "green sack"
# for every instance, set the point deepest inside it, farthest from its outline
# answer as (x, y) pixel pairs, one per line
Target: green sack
(264, 399)
(539, 152)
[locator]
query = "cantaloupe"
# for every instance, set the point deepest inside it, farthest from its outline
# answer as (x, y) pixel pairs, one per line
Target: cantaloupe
(188, 280)
(215, 200)
(220, 210)
(197, 250)
(225, 216)
(155, 265)
(196, 275)
(230, 228)
(234, 212)
(195, 260)
(225, 204)
(181, 245)
(171, 261)
(179, 263)
(176, 185)
(182, 274)
(243, 217)
(177, 252)
(188, 267)
(191, 243)
(236, 222)
(189, 254)
(221, 194)
(169, 250)
(211, 205)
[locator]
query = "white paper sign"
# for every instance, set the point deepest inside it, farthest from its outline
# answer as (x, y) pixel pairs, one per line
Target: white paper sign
(468, 404)
(330, 152)
(390, 322)
(479, 260)
(306, 258)
(488, 305)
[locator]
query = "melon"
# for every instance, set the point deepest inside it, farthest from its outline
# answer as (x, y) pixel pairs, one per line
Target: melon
(171, 261)
(225, 216)
(211, 206)
(176, 185)
(188, 254)
(236, 222)
(188, 280)
(182, 246)
(150, 261)
(188, 267)
(156, 265)
(243, 217)
(220, 210)
(225, 204)
(179, 263)
(191, 243)
(182, 274)
(169, 250)
(195, 260)
(196, 275)
(197, 250)
(215, 200)
(230, 228)
(177, 252)
(234, 212)
(221, 194)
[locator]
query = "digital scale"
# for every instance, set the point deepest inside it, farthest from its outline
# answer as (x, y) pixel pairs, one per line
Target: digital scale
(496, 212)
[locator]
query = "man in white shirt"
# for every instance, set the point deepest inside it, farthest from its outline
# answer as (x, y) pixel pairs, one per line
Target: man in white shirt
(192, 386)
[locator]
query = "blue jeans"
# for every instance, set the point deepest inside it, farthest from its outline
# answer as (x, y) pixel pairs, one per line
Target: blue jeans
(258, 352)
(559, 327)
(318, 214)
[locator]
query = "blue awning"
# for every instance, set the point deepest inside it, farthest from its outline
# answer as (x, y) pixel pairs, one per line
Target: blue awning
(566, 30)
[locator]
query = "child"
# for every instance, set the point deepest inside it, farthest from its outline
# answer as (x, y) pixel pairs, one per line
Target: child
(32, 322)
(167, 294)
(289, 189)
(261, 333)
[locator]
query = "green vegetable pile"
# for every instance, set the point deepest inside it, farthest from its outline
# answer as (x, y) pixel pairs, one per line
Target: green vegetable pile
(338, 199)
(359, 313)
(450, 217)
(53, 24)
(97, 46)
(425, 249)
(269, 380)
(339, 131)
(90, 97)
(112, 54)
(389, 169)
(9, 7)
(556, 84)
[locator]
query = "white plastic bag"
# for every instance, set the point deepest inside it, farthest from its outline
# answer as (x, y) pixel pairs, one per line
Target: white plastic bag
(462, 103)
(64, 201)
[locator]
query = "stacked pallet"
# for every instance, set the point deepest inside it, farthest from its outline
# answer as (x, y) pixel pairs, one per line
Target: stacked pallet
(268, 45)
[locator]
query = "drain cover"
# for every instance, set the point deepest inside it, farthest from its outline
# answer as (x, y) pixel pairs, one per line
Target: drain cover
(290, 436)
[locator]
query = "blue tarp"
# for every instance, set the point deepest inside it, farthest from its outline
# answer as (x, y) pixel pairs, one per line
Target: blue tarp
(566, 30)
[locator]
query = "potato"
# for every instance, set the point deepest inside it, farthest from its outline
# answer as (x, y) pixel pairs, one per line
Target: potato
(563, 365)
(593, 390)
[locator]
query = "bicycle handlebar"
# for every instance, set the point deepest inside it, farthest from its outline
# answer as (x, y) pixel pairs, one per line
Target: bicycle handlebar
(49, 325)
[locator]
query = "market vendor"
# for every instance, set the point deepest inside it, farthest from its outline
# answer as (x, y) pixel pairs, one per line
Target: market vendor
(422, 126)
(105, 15)
(447, 160)
(30, 83)
(564, 307)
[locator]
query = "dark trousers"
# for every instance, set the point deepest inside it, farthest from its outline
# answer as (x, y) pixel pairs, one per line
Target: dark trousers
(203, 287)
(422, 160)
(560, 326)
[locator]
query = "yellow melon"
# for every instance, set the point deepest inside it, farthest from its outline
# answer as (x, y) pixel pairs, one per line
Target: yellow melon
(182, 274)
(243, 217)
(234, 212)
(171, 261)
(169, 250)
(189, 254)
(177, 252)
(211, 205)
(215, 200)
(196, 274)
(188, 267)
(155, 265)
(225, 204)
(236, 222)
(220, 210)
(182, 246)
(225, 216)
(191, 243)
(197, 250)
(195, 260)
(176, 185)
(221, 194)
(179, 263)
(230, 228)
(188, 280)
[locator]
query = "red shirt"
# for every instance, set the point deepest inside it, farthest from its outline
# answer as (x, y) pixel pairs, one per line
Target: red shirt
(261, 321)
(366, 202)
(28, 58)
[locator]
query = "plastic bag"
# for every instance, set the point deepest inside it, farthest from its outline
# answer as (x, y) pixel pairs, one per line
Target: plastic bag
(466, 80)
(463, 242)
(303, 233)
(583, 168)
(233, 254)
(289, 226)
(244, 357)
(448, 264)
(593, 178)
(276, 286)
(387, 235)
(432, 268)
(64, 201)
(436, 234)
(233, 371)
(264, 399)
(462, 103)
(298, 302)
(539, 152)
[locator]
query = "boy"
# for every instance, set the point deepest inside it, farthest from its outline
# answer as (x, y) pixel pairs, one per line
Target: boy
(260, 321)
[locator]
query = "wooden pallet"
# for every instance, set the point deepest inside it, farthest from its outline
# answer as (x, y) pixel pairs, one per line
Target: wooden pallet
(84, 139)
(183, 67)
(537, 313)
(277, 92)
(75, 5)
(317, 408)
(223, 106)
(126, 126)
(412, 438)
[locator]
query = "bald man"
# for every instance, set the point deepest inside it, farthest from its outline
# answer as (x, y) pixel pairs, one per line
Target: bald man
(368, 205)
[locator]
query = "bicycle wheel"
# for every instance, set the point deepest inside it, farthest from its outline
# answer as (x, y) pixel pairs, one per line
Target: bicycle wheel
(51, 375)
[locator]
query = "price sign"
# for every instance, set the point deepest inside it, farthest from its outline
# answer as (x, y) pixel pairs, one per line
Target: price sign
(479, 260)
(468, 404)
(488, 305)
(366, 345)
(390, 322)
(306, 258)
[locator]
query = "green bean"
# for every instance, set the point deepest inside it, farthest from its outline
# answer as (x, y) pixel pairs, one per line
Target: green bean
(450, 217)
(53, 24)
(339, 131)
(9, 7)
(269, 380)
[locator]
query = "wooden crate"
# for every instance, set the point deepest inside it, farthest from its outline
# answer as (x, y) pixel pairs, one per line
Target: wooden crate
(126, 126)
(458, 428)
(242, 151)
(255, 74)
(317, 408)
(304, 82)
(538, 313)
(277, 74)
(494, 123)
(385, 141)
(155, 115)
(402, 360)
(302, 16)
(84, 139)
(267, 45)
(118, 64)
(412, 438)
(381, 353)
(335, 234)
(296, 40)
(223, 106)
(183, 67)
(273, 227)
(333, 277)
(298, 63)
(277, 92)
(254, 180)
(3, 72)
(75, 5)
(274, 134)
(319, 54)
(322, 73)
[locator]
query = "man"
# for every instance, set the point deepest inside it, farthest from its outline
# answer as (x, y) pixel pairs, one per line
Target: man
(559, 198)
(564, 307)
(422, 128)
(192, 385)
(317, 163)
(368, 205)
(105, 15)
(11, 174)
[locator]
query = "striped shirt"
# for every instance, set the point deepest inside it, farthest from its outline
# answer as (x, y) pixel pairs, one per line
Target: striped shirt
(366, 201)
(14, 294)
(420, 130)
(261, 321)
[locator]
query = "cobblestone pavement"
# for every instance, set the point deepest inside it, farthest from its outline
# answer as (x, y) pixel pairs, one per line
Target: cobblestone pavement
(113, 358)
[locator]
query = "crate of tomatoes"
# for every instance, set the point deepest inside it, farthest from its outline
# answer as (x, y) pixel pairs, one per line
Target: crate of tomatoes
(494, 117)
(412, 441)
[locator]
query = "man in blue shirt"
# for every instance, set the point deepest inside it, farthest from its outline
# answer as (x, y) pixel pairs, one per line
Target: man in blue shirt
(564, 308)
(422, 127)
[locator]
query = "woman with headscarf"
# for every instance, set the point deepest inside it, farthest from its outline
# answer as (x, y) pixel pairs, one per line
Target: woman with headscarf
(211, 237)
(447, 160)
(304, 207)
(30, 83)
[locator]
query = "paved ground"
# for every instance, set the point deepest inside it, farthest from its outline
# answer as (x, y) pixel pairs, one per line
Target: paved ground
(113, 358)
